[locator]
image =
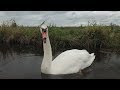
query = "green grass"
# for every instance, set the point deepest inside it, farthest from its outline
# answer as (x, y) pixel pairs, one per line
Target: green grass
(85, 37)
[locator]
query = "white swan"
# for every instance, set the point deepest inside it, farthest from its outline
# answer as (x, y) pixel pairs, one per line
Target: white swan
(68, 62)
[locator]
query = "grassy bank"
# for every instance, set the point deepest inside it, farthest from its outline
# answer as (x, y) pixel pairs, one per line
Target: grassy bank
(83, 37)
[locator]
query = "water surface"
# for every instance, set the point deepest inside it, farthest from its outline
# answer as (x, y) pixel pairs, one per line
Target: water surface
(14, 65)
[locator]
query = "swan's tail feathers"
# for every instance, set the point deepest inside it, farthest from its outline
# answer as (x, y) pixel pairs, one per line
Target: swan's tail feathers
(90, 61)
(92, 54)
(92, 57)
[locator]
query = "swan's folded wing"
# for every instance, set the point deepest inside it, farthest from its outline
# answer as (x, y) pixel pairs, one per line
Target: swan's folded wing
(70, 61)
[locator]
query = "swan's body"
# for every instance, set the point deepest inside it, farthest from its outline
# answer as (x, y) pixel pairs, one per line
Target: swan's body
(71, 61)
(68, 62)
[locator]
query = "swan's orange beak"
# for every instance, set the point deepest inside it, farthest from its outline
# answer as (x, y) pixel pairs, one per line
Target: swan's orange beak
(44, 35)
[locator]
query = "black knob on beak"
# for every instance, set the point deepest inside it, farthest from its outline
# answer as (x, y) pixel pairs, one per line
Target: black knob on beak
(43, 30)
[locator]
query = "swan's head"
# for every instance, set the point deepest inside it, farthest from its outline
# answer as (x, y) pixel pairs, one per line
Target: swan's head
(44, 31)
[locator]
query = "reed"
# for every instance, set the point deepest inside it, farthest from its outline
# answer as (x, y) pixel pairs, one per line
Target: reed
(83, 37)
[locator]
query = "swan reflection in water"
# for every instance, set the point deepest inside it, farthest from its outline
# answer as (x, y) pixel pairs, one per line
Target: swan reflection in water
(68, 76)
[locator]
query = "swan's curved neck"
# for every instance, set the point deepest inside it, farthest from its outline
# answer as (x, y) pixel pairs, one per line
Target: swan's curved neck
(47, 59)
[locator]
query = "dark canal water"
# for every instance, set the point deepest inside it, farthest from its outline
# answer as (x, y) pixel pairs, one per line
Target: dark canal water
(25, 64)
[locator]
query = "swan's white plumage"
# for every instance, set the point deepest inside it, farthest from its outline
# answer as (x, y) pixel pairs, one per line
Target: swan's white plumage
(71, 61)
(68, 62)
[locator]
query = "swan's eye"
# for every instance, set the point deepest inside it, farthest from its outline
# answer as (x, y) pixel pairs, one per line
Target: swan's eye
(43, 30)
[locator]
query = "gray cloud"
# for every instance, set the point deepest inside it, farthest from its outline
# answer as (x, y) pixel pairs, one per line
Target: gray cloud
(61, 18)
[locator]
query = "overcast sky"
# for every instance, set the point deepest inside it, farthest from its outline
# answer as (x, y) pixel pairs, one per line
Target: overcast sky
(61, 18)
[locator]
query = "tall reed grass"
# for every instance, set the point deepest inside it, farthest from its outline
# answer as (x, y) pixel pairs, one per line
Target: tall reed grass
(83, 37)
